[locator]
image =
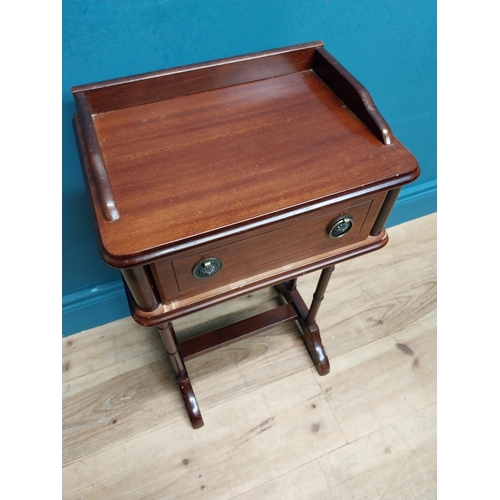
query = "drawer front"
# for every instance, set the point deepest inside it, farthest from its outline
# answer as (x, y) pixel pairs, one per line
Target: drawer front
(278, 246)
(269, 250)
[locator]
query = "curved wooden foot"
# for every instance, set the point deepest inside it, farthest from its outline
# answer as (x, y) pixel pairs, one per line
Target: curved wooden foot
(190, 401)
(172, 347)
(312, 340)
(307, 317)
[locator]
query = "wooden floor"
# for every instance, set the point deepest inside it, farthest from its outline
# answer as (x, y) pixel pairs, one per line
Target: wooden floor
(274, 429)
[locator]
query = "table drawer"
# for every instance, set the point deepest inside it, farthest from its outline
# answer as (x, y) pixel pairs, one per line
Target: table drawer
(255, 252)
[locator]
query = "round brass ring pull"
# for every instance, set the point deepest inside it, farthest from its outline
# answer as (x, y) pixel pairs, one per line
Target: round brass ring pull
(340, 226)
(207, 268)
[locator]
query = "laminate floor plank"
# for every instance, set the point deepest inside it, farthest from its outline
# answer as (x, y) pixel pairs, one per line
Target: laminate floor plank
(244, 443)
(397, 461)
(100, 354)
(304, 482)
(383, 381)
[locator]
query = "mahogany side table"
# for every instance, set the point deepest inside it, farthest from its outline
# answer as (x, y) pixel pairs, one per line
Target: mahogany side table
(212, 180)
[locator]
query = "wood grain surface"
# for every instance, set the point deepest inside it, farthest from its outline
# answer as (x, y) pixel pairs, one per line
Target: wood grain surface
(273, 428)
(289, 135)
(181, 157)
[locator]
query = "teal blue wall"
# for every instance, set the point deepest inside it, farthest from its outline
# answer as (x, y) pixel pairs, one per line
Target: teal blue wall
(389, 46)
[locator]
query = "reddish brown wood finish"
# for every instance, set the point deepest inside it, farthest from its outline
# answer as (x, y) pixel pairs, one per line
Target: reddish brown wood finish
(173, 310)
(249, 160)
(294, 310)
(95, 159)
(300, 237)
(177, 82)
(229, 334)
(232, 150)
(140, 283)
(172, 347)
(352, 93)
(307, 319)
(385, 211)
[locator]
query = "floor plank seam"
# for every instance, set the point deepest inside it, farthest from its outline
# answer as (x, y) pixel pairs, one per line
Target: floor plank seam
(228, 399)
(144, 433)
(283, 474)
(416, 323)
(102, 370)
(389, 424)
(396, 476)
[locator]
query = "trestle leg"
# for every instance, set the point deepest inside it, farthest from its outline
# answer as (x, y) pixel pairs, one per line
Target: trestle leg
(172, 347)
(307, 317)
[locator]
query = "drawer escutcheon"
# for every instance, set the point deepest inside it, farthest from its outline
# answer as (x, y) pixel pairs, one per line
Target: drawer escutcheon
(340, 226)
(207, 268)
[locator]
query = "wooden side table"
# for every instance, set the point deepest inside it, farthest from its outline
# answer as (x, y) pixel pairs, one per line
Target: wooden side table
(212, 180)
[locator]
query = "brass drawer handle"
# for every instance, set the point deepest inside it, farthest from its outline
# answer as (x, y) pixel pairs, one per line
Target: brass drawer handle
(207, 268)
(340, 226)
